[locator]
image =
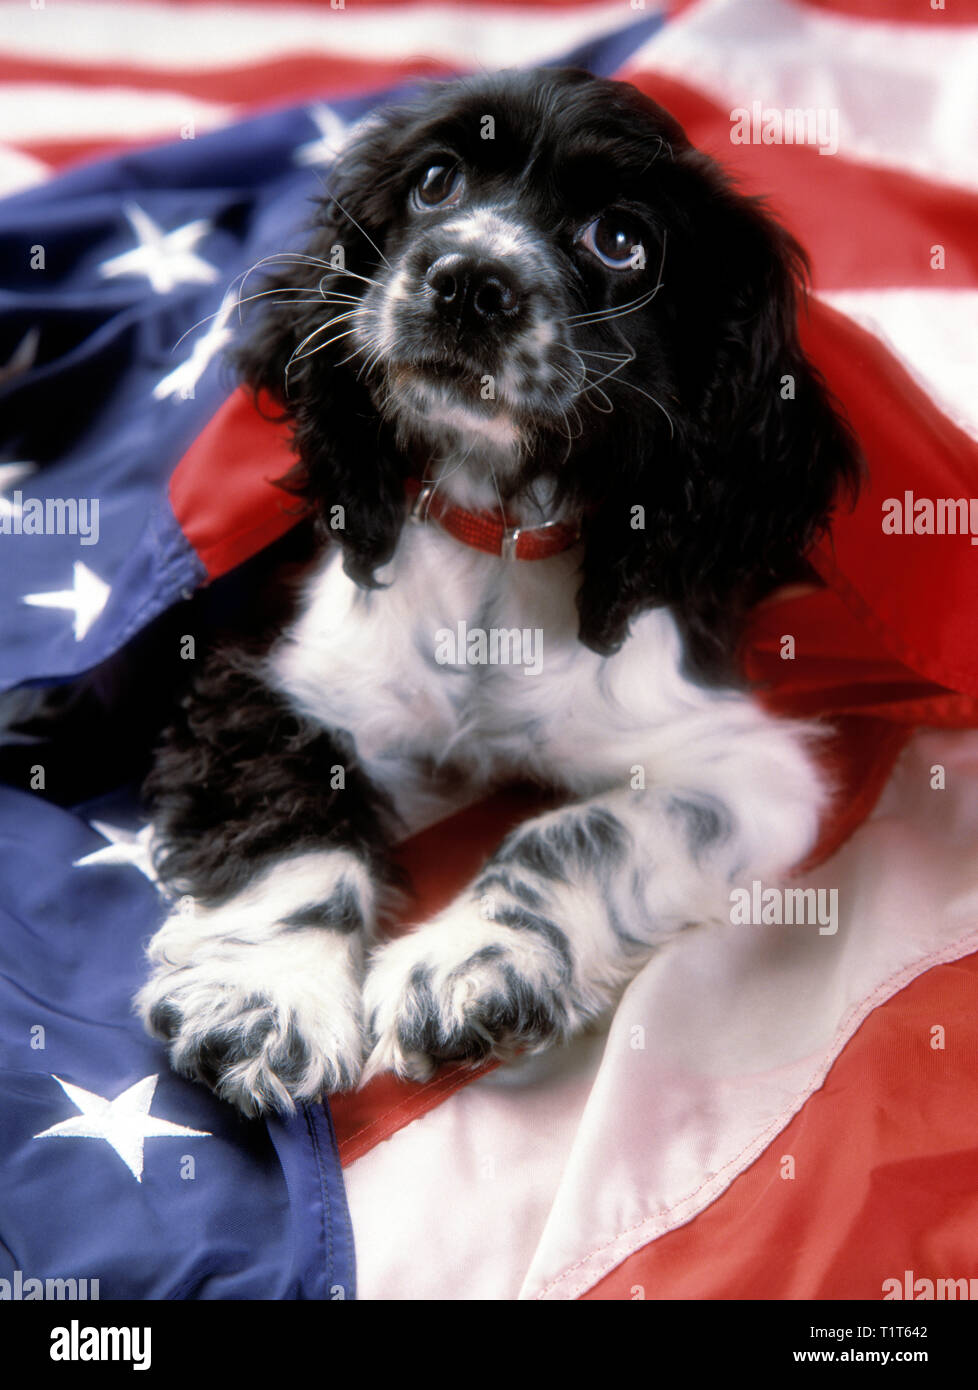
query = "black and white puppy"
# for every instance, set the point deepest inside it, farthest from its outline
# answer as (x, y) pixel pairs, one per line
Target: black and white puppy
(531, 295)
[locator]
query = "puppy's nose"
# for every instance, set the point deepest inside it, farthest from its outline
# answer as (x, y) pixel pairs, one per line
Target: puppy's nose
(470, 292)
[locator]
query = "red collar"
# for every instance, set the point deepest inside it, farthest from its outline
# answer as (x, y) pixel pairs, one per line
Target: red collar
(488, 533)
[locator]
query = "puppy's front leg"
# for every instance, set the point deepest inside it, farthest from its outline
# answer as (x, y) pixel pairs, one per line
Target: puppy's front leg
(273, 834)
(575, 901)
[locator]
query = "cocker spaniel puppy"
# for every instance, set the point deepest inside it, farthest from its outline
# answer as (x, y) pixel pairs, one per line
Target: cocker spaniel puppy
(536, 356)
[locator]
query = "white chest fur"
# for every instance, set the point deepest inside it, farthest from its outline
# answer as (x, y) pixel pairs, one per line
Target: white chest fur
(378, 664)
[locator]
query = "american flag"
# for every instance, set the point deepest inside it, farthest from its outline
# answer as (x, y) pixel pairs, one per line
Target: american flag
(772, 1113)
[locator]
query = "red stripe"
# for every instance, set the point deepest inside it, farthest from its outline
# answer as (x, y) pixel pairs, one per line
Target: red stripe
(863, 226)
(919, 593)
(222, 491)
(955, 12)
(287, 80)
(363, 1119)
(886, 1173)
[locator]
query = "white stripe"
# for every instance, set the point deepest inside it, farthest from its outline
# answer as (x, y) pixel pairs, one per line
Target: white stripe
(19, 171)
(907, 95)
(477, 1179)
(933, 333)
(188, 38)
(31, 112)
(540, 1178)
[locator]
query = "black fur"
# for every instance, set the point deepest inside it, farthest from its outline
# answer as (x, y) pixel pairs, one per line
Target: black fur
(734, 481)
(240, 780)
(342, 912)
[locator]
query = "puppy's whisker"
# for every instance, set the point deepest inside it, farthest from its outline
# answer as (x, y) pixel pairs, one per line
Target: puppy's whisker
(349, 357)
(572, 407)
(377, 343)
(617, 380)
(620, 362)
(499, 495)
(372, 345)
(445, 476)
(606, 315)
(608, 407)
(298, 354)
(566, 432)
(335, 339)
(300, 257)
(366, 235)
(586, 386)
(565, 371)
(614, 356)
(603, 316)
(354, 275)
(281, 258)
(371, 361)
(315, 296)
(347, 302)
(369, 344)
(284, 289)
(576, 385)
(302, 356)
(599, 315)
(620, 381)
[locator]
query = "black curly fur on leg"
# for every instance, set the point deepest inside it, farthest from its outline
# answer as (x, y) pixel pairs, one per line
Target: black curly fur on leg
(240, 780)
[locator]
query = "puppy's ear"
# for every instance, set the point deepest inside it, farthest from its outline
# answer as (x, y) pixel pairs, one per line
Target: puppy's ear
(302, 355)
(739, 482)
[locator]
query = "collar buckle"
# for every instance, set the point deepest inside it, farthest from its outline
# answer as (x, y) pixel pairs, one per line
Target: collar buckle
(419, 508)
(511, 539)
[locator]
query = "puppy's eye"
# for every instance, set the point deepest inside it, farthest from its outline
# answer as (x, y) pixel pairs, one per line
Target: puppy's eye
(440, 186)
(616, 240)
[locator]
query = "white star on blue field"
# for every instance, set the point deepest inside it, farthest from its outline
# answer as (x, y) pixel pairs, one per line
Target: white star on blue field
(124, 1123)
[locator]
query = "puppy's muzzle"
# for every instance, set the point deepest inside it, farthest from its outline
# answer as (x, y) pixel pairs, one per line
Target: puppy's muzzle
(470, 293)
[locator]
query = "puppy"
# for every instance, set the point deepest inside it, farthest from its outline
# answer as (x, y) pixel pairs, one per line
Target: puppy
(542, 370)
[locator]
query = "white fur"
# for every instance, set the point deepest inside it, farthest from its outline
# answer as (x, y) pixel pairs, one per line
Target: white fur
(494, 235)
(498, 429)
(213, 963)
(584, 724)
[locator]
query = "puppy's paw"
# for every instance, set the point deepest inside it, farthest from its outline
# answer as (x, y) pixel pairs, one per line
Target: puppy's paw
(264, 1026)
(464, 988)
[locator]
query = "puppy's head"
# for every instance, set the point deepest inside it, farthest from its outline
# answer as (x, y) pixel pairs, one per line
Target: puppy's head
(532, 287)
